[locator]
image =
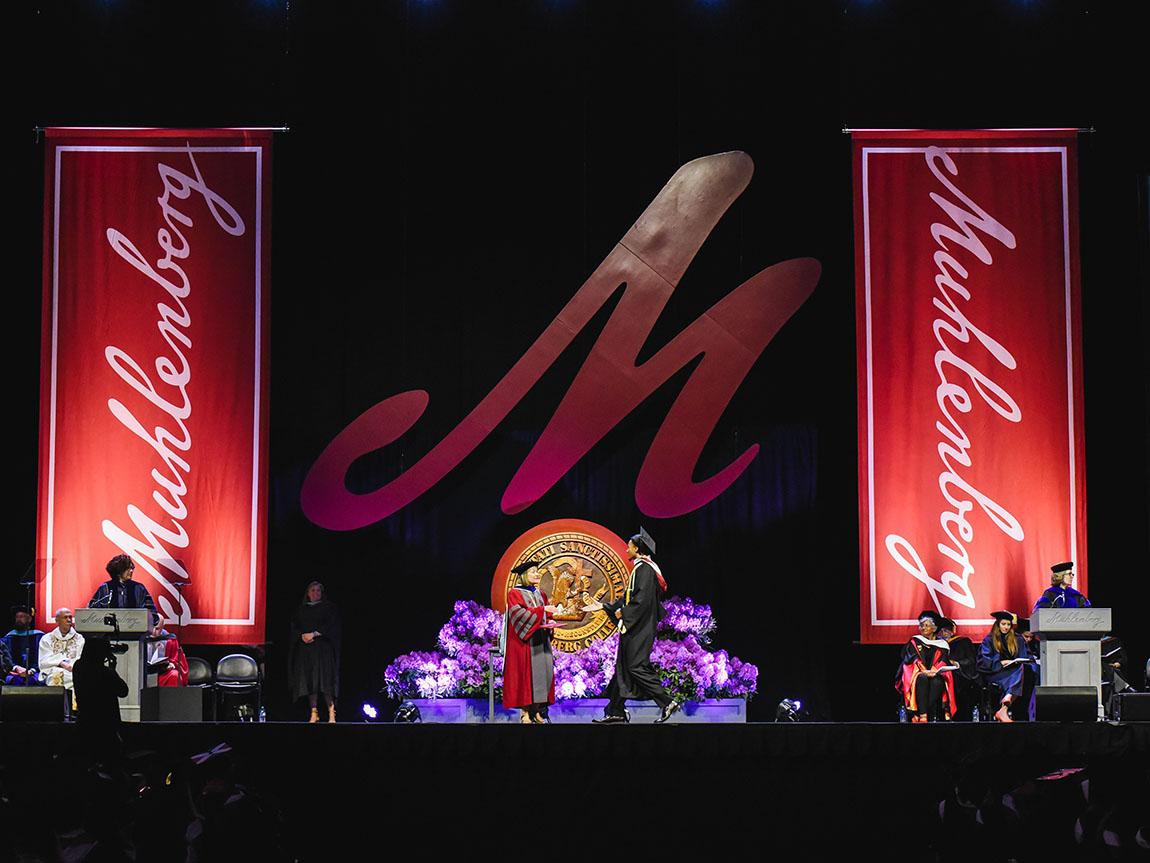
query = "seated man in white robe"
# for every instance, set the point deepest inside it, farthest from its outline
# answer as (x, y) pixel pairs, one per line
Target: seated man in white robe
(59, 650)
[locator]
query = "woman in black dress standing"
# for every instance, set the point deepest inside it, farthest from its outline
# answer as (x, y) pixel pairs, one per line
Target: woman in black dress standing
(314, 663)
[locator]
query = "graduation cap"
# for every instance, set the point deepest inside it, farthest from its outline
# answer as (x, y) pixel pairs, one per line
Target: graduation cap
(1062, 567)
(17, 609)
(1004, 615)
(521, 568)
(931, 615)
(645, 538)
(947, 623)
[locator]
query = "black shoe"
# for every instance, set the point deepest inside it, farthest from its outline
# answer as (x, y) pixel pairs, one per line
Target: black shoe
(610, 719)
(670, 709)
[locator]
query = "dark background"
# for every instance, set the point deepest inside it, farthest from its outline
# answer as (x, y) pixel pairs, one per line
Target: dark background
(452, 174)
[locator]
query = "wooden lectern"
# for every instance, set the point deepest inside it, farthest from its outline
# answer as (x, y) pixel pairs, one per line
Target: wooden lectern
(124, 627)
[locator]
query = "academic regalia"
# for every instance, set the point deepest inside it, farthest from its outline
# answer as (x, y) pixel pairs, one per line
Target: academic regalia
(23, 650)
(1061, 597)
(635, 678)
(124, 594)
(165, 651)
(314, 668)
(967, 680)
(24, 646)
(528, 666)
(1009, 678)
(921, 693)
(1114, 665)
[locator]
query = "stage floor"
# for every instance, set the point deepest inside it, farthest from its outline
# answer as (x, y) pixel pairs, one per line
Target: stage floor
(302, 792)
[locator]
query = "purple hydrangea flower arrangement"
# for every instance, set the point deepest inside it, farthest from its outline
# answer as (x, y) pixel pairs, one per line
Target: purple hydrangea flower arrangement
(459, 668)
(686, 617)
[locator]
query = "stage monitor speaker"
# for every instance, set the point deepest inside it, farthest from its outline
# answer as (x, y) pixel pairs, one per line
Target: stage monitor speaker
(1065, 704)
(172, 704)
(33, 704)
(1132, 706)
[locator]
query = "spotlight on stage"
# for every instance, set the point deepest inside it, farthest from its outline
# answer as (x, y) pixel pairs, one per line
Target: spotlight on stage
(790, 710)
(407, 712)
(370, 714)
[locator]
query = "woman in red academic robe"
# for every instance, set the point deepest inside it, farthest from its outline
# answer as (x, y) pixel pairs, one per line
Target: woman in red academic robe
(926, 682)
(166, 657)
(528, 668)
(177, 673)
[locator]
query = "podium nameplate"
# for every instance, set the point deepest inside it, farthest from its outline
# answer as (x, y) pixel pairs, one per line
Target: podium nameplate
(132, 621)
(1092, 621)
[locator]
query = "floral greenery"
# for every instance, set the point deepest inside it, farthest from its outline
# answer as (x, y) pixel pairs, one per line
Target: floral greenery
(458, 669)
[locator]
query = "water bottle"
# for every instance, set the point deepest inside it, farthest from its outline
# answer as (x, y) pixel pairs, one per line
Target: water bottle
(902, 713)
(974, 715)
(263, 714)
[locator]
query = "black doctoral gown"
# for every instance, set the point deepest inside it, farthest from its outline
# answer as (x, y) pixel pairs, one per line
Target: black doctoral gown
(967, 680)
(314, 668)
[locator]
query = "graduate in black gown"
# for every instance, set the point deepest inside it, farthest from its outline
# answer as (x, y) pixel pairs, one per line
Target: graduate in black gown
(637, 613)
(316, 633)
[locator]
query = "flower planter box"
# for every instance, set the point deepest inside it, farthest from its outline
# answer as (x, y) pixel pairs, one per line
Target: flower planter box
(464, 710)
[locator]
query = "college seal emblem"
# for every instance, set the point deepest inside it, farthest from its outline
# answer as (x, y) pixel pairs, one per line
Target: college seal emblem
(580, 562)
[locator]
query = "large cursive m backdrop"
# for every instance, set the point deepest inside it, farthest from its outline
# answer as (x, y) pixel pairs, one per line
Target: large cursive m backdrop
(648, 262)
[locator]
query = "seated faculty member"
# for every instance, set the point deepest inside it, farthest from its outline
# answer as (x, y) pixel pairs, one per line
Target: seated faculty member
(23, 641)
(925, 679)
(1001, 658)
(165, 657)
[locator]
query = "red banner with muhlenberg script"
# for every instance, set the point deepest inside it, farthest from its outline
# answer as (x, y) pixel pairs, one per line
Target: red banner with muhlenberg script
(971, 478)
(153, 426)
